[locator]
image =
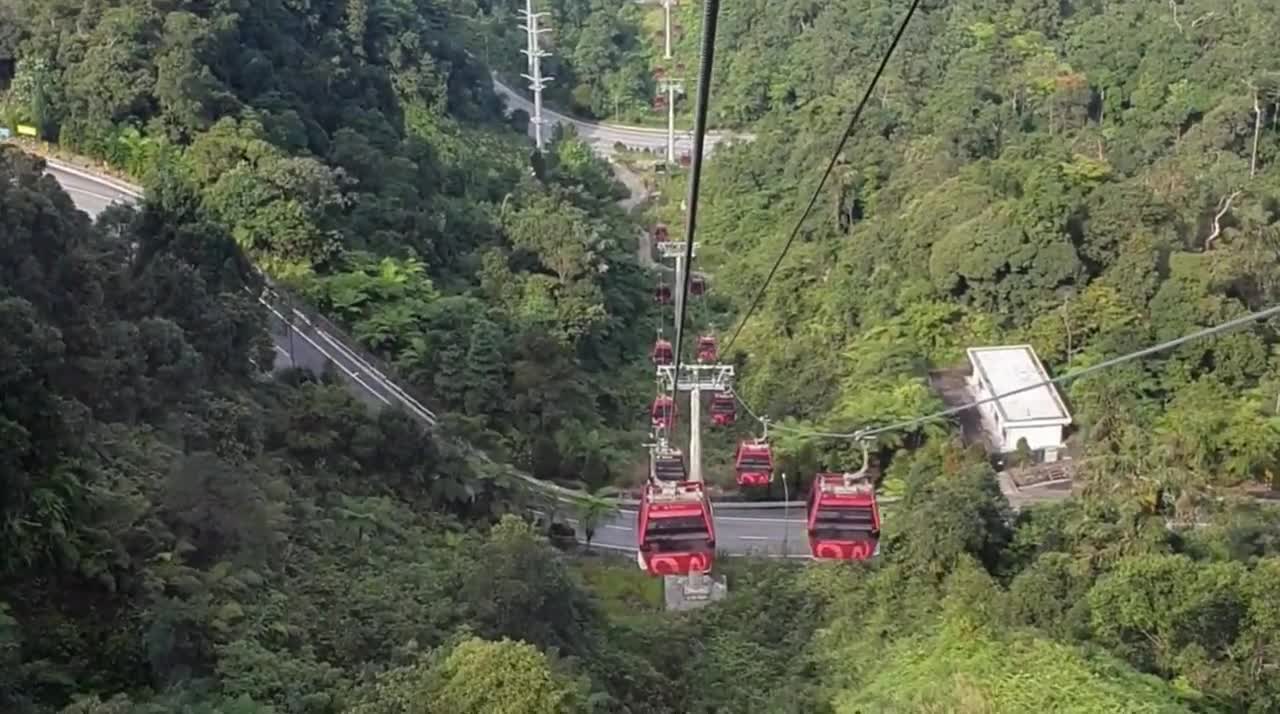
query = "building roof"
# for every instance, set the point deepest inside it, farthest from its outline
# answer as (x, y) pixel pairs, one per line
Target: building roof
(1012, 367)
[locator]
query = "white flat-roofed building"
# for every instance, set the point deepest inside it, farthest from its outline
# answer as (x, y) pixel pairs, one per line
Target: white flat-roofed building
(1037, 415)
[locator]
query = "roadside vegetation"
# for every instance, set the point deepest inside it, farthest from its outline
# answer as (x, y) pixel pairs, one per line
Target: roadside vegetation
(181, 531)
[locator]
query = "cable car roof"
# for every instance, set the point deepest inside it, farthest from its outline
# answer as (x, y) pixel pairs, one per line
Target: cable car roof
(847, 485)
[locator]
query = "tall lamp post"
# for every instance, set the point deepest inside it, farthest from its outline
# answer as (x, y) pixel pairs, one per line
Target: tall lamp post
(786, 509)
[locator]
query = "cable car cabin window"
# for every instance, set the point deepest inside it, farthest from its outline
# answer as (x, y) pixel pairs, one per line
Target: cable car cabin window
(859, 518)
(676, 528)
(836, 533)
(669, 470)
(672, 546)
(754, 463)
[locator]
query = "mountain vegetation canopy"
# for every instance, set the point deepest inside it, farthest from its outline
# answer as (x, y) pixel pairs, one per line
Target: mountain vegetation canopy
(181, 531)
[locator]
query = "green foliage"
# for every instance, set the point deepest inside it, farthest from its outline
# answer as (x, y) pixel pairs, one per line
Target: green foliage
(180, 534)
(506, 677)
(354, 151)
(1081, 178)
(178, 520)
(474, 676)
(981, 672)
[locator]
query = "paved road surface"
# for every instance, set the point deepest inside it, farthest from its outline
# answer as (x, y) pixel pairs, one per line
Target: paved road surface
(740, 531)
(309, 342)
(306, 342)
(635, 185)
(91, 194)
(604, 136)
(299, 340)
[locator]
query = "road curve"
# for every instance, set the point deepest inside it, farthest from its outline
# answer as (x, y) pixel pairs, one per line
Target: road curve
(300, 340)
(307, 341)
(604, 136)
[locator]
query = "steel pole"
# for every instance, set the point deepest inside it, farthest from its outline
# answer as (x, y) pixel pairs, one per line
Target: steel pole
(786, 510)
(666, 4)
(695, 432)
(671, 124)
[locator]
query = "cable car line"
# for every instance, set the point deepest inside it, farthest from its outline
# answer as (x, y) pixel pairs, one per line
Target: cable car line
(869, 433)
(835, 156)
(675, 527)
(710, 17)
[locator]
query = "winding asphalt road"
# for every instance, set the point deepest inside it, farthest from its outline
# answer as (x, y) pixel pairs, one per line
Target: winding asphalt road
(774, 533)
(306, 341)
(300, 339)
(604, 136)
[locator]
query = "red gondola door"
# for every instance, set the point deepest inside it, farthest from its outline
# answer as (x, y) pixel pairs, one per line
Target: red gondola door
(844, 517)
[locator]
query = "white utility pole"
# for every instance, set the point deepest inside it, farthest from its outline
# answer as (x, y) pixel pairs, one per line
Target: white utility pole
(666, 8)
(695, 432)
(695, 379)
(536, 81)
(675, 249)
(671, 87)
(786, 509)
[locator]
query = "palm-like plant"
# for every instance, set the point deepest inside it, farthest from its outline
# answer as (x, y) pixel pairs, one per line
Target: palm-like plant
(593, 509)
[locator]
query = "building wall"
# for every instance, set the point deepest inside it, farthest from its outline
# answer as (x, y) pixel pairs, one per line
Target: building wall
(1004, 438)
(1038, 437)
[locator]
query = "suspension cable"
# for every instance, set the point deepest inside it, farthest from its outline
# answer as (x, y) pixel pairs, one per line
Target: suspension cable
(835, 156)
(868, 433)
(710, 16)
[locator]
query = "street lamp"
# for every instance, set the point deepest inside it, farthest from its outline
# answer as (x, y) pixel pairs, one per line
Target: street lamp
(786, 509)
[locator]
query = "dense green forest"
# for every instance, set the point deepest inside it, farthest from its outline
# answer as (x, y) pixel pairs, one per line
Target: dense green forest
(600, 58)
(182, 532)
(357, 154)
(1091, 178)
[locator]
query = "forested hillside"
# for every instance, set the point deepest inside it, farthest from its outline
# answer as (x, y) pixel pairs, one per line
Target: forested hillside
(1092, 178)
(172, 522)
(181, 531)
(600, 53)
(356, 153)
(183, 535)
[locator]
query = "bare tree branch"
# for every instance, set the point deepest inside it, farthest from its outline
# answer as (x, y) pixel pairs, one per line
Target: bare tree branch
(1257, 127)
(1173, 5)
(1203, 19)
(1223, 206)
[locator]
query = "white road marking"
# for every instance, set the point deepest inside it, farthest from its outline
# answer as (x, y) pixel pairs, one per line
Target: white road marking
(739, 519)
(618, 528)
(754, 538)
(322, 351)
(86, 192)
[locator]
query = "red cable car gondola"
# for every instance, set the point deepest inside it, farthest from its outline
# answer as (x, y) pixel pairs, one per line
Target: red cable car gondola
(707, 350)
(754, 464)
(675, 531)
(697, 285)
(661, 353)
(662, 294)
(667, 464)
(724, 409)
(844, 518)
(662, 412)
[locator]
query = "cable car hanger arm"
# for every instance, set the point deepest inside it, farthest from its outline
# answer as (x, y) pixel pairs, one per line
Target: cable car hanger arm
(871, 432)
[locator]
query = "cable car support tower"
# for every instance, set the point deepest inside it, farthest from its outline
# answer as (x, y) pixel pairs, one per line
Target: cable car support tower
(695, 589)
(537, 82)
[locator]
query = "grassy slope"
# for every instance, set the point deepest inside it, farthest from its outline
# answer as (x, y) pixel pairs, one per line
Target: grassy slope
(964, 672)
